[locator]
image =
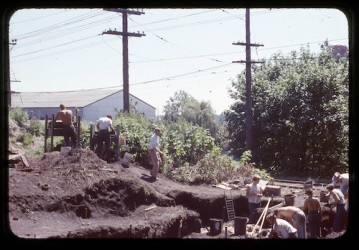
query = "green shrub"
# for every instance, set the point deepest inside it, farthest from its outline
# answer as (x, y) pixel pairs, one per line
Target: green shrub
(137, 131)
(25, 139)
(186, 143)
(18, 115)
(36, 128)
(85, 134)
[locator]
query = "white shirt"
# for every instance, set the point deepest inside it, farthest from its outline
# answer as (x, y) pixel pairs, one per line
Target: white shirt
(344, 178)
(253, 193)
(154, 142)
(340, 195)
(283, 228)
(104, 123)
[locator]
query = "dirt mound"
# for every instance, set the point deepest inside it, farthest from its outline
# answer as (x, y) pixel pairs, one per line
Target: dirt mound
(78, 195)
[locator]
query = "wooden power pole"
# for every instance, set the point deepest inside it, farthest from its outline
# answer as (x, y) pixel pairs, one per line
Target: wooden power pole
(125, 34)
(248, 62)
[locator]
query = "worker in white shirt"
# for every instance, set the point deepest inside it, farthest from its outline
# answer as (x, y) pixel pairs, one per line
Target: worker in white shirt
(282, 228)
(155, 153)
(104, 126)
(341, 180)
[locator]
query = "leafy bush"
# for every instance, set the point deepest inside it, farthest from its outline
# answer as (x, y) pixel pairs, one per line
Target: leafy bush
(137, 131)
(19, 115)
(211, 168)
(215, 168)
(85, 134)
(36, 128)
(25, 139)
(186, 143)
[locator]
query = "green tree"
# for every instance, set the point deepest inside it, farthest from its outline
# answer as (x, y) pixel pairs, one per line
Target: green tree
(300, 113)
(183, 105)
(175, 105)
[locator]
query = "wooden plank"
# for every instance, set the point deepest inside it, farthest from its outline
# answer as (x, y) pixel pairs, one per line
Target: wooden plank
(24, 160)
(11, 157)
(108, 169)
(151, 207)
(222, 186)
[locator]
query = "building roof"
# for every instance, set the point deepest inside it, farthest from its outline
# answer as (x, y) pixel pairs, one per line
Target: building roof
(77, 98)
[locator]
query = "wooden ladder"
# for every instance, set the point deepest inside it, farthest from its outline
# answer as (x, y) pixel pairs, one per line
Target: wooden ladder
(229, 206)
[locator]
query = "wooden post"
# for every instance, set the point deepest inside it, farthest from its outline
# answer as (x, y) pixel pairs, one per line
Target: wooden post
(117, 142)
(78, 127)
(91, 137)
(180, 228)
(52, 132)
(46, 133)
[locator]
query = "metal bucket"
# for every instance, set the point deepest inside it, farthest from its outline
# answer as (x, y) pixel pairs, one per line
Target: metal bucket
(215, 226)
(240, 225)
(289, 199)
(323, 196)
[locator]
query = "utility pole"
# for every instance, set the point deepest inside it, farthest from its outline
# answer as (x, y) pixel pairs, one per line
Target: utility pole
(125, 34)
(248, 62)
(13, 42)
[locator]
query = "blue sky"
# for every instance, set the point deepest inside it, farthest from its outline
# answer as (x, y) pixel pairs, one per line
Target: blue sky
(183, 49)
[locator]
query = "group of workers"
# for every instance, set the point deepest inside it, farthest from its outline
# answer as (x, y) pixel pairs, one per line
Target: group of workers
(287, 222)
(291, 222)
(105, 127)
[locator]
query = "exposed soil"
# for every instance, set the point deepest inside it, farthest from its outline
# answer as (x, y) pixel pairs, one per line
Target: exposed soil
(78, 195)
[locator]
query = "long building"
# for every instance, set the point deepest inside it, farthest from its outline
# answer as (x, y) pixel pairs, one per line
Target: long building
(88, 104)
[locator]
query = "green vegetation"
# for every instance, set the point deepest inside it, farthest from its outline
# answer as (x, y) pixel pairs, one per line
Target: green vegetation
(300, 125)
(25, 139)
(300, 114)
(182, 106)
(19, 116)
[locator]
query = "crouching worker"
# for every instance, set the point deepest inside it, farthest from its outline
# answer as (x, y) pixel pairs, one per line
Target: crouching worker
(281, 228)
(296, 216)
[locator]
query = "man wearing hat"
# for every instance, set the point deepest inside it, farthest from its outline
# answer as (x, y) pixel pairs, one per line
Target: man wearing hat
(313, 210)
(343, 181)
(155, 152)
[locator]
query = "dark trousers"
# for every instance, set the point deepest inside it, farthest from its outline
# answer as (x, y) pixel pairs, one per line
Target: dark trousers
(252, 211)
(314, 221)
(69, 131)
(339, 218)
(103, 137)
